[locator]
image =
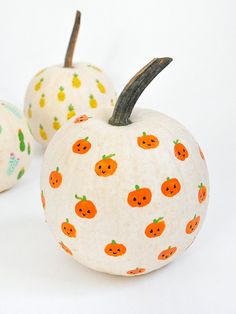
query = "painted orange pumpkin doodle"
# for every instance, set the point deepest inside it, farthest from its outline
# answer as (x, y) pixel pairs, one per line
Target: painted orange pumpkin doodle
(167, 253)
(156, 228)
(171, 187)
(136, 271)
(55, 178)
(147, 141)
(192, 224)
(81, 146)
(68, 229)
(43, 200)
(140, 197)
(180, 150)
(202, 193)
(82, 118)
(115, 249)
(106, 166)
(85, 208)
(65, 248)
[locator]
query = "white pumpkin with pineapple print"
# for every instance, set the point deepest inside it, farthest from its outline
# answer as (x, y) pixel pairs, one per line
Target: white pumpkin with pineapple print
(125, 195)
(58, 93)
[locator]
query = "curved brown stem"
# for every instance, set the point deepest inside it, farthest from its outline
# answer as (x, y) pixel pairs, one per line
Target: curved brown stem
(73, 38)
(133, 90)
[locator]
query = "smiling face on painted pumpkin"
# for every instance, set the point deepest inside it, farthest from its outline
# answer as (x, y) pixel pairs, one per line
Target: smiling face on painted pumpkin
(167, 253)
(106, 166)
(148, 141)
(68, 229)
(180, 150)
(140, 197)
(136, 271)
(171, 187)
(81, 146)
(85, 208)
(55, 179)
(156, 228)
(115, 249)
(192, 224)
(202, 193)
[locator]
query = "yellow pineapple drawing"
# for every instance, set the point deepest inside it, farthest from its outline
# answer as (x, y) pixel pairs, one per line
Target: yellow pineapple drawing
(61, 96)
(56, 124)
(38, 85)
(42, 133)
(76, 82)
(92, 101)
(71, 112)
(42, 101)
(101, 87)
(30, 111)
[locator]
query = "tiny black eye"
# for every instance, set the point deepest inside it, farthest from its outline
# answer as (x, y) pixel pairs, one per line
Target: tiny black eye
(196, 223)
(144, 198)
(134, 199)
(110, 250)
(84, 147)
(184, 150)
(64, 228)
(88, 211)
(78, 145)
(151, 231)
(178, 153)
(109, 167)
(71, 230)
(99, 167)
(171, 253)
(56, 180)
(118, 250)
(167, 189)
(152, 141)
(174, 186)
(80, 210)
(144, 142)
(158, 229)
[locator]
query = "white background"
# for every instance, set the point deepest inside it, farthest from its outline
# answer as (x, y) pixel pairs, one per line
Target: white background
(198, 89)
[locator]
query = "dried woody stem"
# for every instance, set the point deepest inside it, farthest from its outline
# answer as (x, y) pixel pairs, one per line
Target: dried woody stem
(73, 38)
(133, 90)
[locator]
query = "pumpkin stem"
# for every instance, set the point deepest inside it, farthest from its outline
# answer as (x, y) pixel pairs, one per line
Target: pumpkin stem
(137, 187)
(113, 242)
(169, 247)
(71, 47)
(83, 198)
(157, 220)
(86, 138)
(108, 156)
(57, 169)
(133, 90)
(200, 185)
(67, 220)
(176, 142)
(144, 134)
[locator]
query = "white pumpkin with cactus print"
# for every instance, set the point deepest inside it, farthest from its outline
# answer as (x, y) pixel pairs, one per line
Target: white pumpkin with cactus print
(125, 195)
(15, 145)
(58, 93)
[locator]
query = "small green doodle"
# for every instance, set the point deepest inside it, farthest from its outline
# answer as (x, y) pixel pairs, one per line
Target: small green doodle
(22, 140)
(28, 149)
(21, 173)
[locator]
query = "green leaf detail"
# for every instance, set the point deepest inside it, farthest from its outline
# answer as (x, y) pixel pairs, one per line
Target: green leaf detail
(137, 187)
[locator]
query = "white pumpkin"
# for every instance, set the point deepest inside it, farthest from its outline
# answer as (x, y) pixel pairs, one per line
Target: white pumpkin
(125, 198)
(15, 145)
(58, 93)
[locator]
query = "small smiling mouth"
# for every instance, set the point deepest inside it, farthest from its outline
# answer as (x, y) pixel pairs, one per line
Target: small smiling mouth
(84, 215)
(139, 203)
(114, 253)
(103, 171)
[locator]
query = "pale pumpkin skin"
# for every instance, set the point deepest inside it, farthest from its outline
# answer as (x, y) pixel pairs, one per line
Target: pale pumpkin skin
(47, 107)
(115, 218)
(16, 145)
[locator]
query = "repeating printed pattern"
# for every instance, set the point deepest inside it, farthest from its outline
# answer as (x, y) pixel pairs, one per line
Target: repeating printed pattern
(138, 197)
(15, 145)
(55, 95)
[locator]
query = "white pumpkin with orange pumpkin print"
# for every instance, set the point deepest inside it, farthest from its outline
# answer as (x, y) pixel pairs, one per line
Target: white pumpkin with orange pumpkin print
(125, 194)
(58, 93)
(15, 145)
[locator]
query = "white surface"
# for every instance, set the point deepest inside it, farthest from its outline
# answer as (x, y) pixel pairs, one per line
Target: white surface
(36, 276)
